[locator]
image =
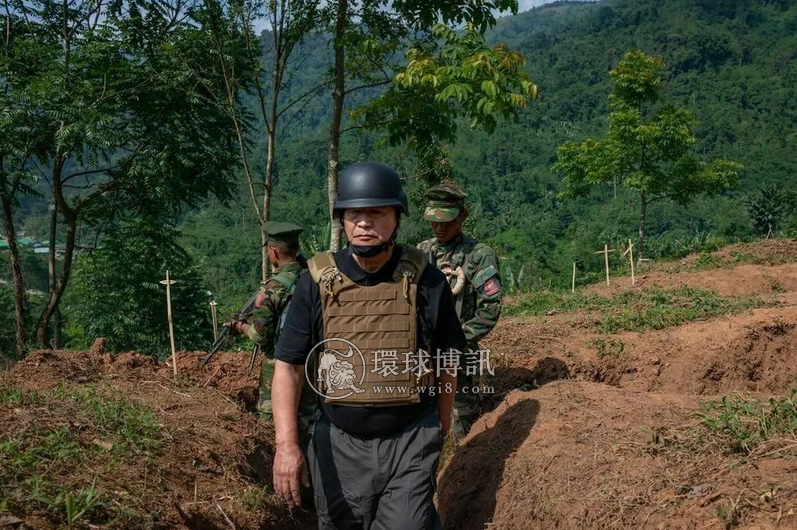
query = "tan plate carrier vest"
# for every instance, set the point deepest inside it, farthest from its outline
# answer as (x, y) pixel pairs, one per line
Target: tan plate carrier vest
(377, 317)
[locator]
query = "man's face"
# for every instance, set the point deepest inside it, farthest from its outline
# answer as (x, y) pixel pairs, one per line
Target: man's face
(445, 232)
(369, 226)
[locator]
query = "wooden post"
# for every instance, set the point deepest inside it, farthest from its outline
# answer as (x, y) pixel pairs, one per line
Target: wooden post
(630, 250)
(605, 253)
(215, 318)
(168, 282)
(573, 284)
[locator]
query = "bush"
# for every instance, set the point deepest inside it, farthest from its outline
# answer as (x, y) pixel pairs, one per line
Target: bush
(120, 297)
(769, 207)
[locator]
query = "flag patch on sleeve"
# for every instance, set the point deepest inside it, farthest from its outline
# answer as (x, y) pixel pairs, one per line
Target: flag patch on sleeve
(490, 287)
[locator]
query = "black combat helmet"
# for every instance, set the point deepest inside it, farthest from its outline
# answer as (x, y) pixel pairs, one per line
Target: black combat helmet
(370, 185)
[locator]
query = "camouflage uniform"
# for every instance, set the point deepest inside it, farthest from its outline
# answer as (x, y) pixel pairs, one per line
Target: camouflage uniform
(267, 321)
(478, 303)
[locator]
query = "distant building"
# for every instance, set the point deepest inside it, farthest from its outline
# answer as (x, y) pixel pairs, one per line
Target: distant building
(37, 246)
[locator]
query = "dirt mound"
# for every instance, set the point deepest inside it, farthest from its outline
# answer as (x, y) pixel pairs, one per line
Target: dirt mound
(44, 369)
(164, 453)
(585, 455)
(131, 360)
(227, 372)
(758, 268)
(756, 351)
(745, 280)
(767, 252)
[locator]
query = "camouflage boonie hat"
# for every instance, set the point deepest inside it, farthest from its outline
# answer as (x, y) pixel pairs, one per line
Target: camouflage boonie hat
(282, 232)
(444, 202)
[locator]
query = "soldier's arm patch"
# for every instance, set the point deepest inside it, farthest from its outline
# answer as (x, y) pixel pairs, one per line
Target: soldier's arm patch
(491, 287)
(482, 276)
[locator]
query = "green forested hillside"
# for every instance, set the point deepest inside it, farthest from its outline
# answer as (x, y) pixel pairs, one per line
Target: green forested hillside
(733, 63)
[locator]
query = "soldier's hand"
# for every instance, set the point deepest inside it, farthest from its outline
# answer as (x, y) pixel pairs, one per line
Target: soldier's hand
(236, 327)
(290, 470)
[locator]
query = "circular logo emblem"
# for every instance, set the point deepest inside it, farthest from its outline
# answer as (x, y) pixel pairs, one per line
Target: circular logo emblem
(331, 372)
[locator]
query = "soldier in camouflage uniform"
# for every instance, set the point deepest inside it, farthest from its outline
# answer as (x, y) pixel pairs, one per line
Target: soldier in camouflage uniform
(271, 309)
(472, 270)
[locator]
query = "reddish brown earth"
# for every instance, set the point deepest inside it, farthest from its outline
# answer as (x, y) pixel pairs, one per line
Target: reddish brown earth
(576, 455)
(571, 439)
(742, 280)
(216, 448)
(755, 351)
(741, 270)
(611, 441)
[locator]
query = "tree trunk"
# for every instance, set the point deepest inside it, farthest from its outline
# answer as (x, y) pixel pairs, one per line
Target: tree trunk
(268, 183)
(338, 94)
(43, 325)
(70, 220)
(56, 342)
(266, 213)
(643, 213)
(51, 270)
(6, 198)
(20, 297)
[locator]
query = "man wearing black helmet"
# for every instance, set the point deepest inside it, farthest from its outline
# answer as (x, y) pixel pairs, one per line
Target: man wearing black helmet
(365, 328)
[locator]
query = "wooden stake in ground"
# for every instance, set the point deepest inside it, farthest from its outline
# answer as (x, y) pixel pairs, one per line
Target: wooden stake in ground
(630, 252)
(605, 253)
(168, 283)
(573, 284)
(215, 318)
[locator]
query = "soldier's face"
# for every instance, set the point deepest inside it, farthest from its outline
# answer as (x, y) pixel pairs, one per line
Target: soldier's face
(445, 232)
(369, 226)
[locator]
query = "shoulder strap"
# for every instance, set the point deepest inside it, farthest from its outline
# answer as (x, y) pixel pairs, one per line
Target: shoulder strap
(325, 272)
(321, 264)
(411, 263)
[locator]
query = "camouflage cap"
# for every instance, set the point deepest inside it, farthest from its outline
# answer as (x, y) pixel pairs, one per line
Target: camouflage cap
(444, 202)
(282, 232)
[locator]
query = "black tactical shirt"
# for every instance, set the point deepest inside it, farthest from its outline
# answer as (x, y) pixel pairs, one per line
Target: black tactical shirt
(303, 329)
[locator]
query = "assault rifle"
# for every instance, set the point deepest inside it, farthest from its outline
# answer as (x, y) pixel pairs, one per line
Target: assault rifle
(243, 314)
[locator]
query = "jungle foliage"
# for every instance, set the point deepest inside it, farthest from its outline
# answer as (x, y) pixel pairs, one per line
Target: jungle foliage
(730, 65)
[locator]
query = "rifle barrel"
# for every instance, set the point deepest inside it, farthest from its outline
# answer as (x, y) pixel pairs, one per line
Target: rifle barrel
(243, 314)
